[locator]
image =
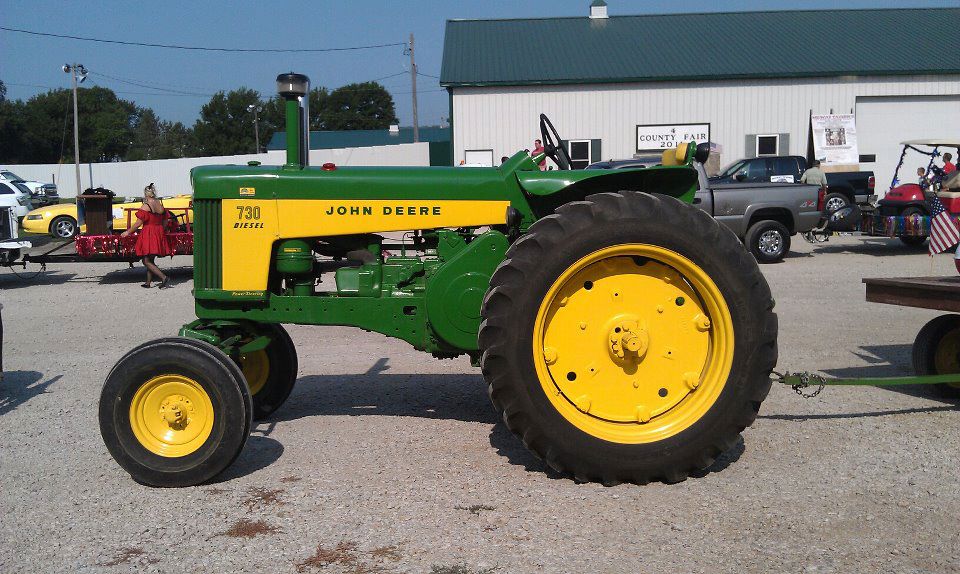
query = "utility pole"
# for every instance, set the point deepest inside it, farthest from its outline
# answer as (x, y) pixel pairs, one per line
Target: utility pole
(413, 81)
(76, 70)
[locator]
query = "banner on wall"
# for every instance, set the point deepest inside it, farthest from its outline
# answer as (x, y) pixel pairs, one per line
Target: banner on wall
(835, 139)
(667, 136)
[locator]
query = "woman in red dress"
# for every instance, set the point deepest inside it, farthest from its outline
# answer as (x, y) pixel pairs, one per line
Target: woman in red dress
(152, 240)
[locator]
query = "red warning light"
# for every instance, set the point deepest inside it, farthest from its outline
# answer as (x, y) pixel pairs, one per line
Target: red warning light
(329, 166)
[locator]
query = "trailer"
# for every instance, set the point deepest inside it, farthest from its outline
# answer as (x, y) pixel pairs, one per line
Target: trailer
(936, 348)
(101, 244)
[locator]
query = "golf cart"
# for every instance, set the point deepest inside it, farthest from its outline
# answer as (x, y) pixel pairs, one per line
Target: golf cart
(905, 199)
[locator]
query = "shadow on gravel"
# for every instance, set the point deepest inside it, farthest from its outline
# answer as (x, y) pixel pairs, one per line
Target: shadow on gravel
(137, 274)
(30, 278)
(19, 387)
(888, 361)
(259, 453)
(878, 247)
(461, 397)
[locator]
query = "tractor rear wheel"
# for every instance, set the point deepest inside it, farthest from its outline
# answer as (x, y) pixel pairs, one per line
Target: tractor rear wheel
(628, 338)
(271, 372)
(936, 351)
(175, 412)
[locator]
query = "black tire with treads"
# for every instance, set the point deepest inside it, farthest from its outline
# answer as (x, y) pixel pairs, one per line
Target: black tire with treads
(556, 242)
(282, 355)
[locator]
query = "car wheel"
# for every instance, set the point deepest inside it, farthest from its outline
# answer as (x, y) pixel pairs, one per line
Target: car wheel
(768, 240)
(834, 201)
(63, 227)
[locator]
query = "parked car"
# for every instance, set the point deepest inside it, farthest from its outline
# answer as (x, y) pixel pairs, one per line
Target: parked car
(60, 221)
(764, 215)
(16, 196)
(41, 193)
(843, 188)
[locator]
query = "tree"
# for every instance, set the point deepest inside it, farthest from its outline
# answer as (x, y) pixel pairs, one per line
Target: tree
(154, 138)
(363, 106)
(225, 126)
(11, 126)
(46, 121)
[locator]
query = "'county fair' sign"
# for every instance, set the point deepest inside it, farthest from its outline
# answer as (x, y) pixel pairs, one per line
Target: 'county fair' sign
(667, 136)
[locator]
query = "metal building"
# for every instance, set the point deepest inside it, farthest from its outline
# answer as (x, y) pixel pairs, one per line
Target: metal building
(616, 86)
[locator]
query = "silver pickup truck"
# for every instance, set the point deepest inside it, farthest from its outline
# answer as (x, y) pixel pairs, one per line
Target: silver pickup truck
(763, 215)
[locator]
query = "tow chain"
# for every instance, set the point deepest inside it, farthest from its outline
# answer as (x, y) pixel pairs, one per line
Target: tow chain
(804, 380)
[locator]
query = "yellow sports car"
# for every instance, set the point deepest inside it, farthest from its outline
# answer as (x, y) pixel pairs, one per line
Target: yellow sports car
(61, 220)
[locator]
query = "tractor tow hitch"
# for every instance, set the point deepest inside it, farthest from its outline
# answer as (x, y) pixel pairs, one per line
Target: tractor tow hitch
(803, 380)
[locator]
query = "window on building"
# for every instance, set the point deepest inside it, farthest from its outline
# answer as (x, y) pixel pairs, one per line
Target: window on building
(768, 144)
(478, 157)
(579, 153)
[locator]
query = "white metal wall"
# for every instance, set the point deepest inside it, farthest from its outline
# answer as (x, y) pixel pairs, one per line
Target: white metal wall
(882, 123)
(506, 118)
(172, 176)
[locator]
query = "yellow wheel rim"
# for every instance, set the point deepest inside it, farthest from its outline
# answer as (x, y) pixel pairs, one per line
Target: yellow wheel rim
(171, 415)
(947, 357)
(633, 343)
(256, 370)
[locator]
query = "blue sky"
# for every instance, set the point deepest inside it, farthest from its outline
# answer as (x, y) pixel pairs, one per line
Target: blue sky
(30, 64)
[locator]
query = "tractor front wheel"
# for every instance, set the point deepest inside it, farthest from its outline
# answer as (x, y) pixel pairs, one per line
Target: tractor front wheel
(271, 372)
(628, 338)
(175, 412)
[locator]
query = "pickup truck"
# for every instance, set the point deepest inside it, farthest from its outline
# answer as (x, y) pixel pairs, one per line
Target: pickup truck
(764, 215)
(843, 188)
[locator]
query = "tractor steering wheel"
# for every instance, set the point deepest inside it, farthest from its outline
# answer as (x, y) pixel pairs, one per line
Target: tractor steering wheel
(551, 144)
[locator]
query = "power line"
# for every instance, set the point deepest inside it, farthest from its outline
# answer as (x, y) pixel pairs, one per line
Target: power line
(148, 86)
(200, 48)
(419, 73)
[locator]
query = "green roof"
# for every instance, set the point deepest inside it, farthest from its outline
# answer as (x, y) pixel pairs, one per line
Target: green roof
(775, 44)
(362, 138)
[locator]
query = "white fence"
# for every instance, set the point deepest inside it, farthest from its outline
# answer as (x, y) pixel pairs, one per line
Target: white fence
(172, 176)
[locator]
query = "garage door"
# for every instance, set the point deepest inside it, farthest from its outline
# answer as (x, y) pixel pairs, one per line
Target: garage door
(884, 122)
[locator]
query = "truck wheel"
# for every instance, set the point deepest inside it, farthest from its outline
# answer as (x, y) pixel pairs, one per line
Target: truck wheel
(834, 201)
(270, 373)
(628, 338)
(175, 412)
(768, 240)
(936, 351)
(63, 227)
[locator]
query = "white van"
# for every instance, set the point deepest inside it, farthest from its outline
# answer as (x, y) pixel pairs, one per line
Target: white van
(16, 196)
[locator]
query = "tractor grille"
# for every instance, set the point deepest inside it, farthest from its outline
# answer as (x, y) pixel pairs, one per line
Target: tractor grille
(207, 245)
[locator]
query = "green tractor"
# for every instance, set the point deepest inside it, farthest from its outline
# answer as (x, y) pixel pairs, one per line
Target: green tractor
(624, 335)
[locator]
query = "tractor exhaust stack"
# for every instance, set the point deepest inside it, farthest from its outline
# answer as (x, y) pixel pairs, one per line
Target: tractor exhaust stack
(295, 90)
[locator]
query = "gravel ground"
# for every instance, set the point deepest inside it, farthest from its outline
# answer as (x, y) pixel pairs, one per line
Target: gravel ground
(385, 459)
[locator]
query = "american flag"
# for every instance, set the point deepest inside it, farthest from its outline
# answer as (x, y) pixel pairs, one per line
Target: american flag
(943, 231)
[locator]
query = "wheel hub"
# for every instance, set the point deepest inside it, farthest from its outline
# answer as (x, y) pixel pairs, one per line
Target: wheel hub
(628, 341)
(770, 242)
(171, 415)
(174, 410)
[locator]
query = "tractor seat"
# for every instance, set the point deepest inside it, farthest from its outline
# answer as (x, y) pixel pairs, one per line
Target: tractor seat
(676, 156)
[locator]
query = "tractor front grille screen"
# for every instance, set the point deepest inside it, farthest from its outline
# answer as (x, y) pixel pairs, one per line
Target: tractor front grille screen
(207, 249)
